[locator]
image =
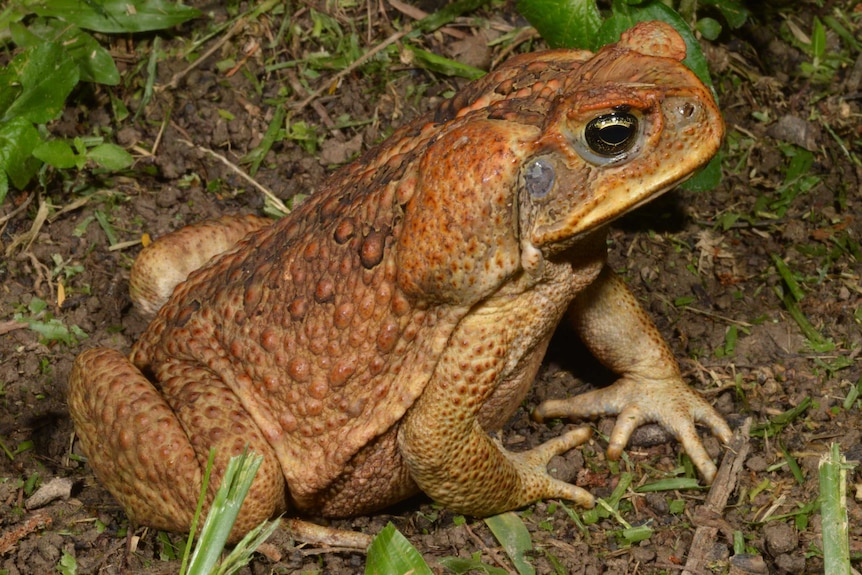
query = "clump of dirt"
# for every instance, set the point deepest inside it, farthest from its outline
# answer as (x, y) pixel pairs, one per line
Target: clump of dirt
(708, 267)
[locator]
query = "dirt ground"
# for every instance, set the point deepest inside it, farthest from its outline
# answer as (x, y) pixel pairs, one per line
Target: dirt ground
(706, 265)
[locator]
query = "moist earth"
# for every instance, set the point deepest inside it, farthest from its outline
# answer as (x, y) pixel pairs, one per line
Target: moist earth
(707, 265)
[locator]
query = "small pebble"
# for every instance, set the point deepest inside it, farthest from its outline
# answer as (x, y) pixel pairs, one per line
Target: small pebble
(780, 538)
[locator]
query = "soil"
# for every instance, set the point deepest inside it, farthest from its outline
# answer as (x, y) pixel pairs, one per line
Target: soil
(703, 263)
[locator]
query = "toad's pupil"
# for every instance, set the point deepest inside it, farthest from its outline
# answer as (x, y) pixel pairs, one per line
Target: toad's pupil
(612, 134)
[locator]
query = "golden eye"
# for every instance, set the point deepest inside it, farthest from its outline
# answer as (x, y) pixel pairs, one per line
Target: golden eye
(611, 134)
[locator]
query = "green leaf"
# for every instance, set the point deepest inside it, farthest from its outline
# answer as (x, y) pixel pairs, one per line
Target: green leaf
(18, 138)
(52, 330)
(801, 161)
(95, 63)
(818, 40)
(56, 153)
(47, 75)
(67, 565)
(512, 534)
(274, 132)
(460, 565)
(709, 27)
(707, 178)
(110, 156)
(10, 88)
(563, 23)
(116, 16)
(391, 554)
(631, 535)
(436, 63)
(4, 186)
(446, 14)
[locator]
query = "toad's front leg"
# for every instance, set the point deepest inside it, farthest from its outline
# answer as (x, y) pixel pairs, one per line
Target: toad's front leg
(621, 335)
(453, 459)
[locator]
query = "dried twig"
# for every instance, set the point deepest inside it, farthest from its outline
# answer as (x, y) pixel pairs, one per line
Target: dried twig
(12, 536)
(719, 493)
(16, 211)
(30, 235)
(175, 80)
(238, 171)
(11, 325)
(357, 63)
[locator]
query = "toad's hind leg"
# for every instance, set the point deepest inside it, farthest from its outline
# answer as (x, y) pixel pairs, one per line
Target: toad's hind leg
(151, 456)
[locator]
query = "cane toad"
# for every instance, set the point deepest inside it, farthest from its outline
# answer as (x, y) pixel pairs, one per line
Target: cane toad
(366, 344)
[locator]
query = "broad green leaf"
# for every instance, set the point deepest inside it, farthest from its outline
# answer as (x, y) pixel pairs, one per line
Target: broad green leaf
(563, 23)
(10, 88)
(52, 330)
(110, 156)
(512, 534)
(709, 27)
(18, 138)
(4, 186)
(391, 554)
(117, 16)
(95, 63)
(56, 153)
(47, 75)
(707, 178)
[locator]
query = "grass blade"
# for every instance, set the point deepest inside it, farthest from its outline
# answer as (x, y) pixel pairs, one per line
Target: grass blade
(223, 513)
(833, 511)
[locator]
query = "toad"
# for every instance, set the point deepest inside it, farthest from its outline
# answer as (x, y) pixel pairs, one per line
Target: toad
(368, 343)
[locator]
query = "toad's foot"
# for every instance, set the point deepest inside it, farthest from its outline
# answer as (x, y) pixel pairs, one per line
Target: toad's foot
(534, 464)
(670, 403)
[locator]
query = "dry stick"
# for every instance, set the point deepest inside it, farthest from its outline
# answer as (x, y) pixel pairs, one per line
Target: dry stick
(357, 63)
(18, 210)
(238, 171)
(12, 325)
(175, 80)
(308, 532)
(716, 500)
(521, 37)
(30, 235)
(10, 537)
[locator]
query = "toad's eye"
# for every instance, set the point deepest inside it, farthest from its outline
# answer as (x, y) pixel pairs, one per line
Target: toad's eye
(539, 178)
(611, 134)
